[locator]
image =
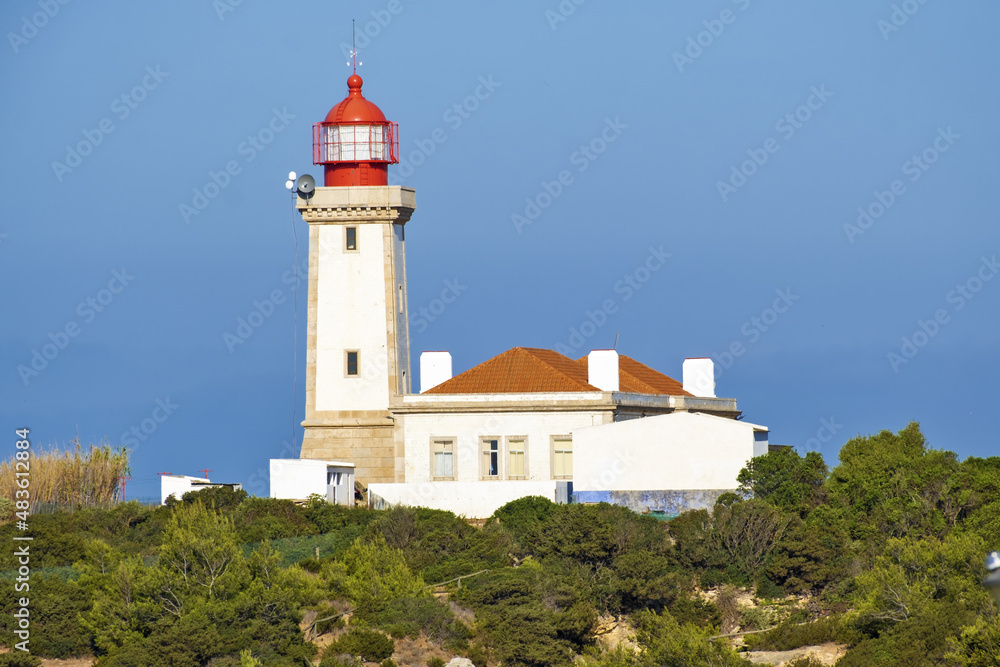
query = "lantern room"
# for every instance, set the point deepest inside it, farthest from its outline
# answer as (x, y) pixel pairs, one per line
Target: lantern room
(355, 144)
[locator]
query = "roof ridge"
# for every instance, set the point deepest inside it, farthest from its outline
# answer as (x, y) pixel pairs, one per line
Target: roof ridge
(531, 350)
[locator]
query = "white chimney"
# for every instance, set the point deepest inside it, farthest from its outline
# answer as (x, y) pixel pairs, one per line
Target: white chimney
(435, 368)
(602, 369)
(699, 377)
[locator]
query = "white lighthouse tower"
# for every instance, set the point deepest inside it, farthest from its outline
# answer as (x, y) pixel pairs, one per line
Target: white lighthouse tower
(358, 347)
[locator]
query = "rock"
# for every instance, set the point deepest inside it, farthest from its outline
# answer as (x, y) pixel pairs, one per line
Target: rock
(460, 662)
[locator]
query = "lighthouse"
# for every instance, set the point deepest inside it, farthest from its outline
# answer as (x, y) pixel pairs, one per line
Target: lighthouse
(358, 344)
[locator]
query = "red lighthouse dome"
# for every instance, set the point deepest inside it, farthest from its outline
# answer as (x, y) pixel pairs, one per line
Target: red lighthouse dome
(355, 144)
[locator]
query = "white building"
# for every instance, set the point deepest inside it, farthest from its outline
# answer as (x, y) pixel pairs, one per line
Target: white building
(526, 422)
(297, 479)
(178, 485)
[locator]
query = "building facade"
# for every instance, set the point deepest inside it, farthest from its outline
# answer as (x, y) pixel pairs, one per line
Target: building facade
(526, 422)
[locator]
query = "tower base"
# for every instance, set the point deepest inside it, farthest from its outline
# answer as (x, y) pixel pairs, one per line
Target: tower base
(373, 443)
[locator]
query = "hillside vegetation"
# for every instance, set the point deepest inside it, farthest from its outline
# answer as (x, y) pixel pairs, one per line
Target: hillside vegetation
(884, 553)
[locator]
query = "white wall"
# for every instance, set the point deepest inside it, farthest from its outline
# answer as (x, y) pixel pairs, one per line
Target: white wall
(351, 315)
(404, 379)
(297, 479)
(677, 451)
(474, 500)
(177, 486)
(467, 429)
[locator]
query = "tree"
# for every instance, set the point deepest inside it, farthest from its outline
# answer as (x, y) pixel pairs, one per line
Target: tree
(372, 574)
(978, 645)
(784, 479)
(894, 484)
(667, 642)
(748, 532)
(913, 574)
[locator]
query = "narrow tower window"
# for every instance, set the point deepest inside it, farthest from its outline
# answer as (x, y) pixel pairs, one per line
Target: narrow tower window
(352, 363)
(351, 241)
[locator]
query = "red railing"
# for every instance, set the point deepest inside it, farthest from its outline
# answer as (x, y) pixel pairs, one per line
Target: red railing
(355, 142)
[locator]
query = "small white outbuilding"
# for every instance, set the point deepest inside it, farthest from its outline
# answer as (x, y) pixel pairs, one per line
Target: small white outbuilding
(297, 479)
(178, 485)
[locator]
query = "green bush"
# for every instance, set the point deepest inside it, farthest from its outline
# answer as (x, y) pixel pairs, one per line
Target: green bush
(477, 654)
(808, 661)
(769, 590)
(217, 498)
(369, 645)
(435, 662)
(19, 659)
(408, 617)
(342, 660)
(790, 635)
(523, 515)
(54, 605)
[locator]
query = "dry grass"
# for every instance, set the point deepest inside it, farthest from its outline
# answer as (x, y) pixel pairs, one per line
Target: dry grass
(74, 477)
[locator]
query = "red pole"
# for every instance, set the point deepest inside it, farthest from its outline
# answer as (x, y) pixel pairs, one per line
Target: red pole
(206, 471)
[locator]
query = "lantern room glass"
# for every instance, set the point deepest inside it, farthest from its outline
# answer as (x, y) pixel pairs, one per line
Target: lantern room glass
(356, 143)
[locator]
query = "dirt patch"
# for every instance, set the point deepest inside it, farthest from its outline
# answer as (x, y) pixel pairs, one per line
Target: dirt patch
(828, 654)
(51, 662)
(612, 632)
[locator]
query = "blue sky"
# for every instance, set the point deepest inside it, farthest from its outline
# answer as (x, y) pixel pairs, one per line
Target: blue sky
(739, 137)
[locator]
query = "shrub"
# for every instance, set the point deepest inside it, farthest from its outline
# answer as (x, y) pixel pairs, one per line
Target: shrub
(369, 645)
(217, 498)
(342, 660)
(477, 654)
(524, 514)
(789, 635)
(767, 589)
(435, 662)
(54, 607)
(408, 617)
(19, 659)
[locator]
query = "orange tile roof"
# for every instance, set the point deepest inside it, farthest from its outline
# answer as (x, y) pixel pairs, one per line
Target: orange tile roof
(532, 370)
(637, 378)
